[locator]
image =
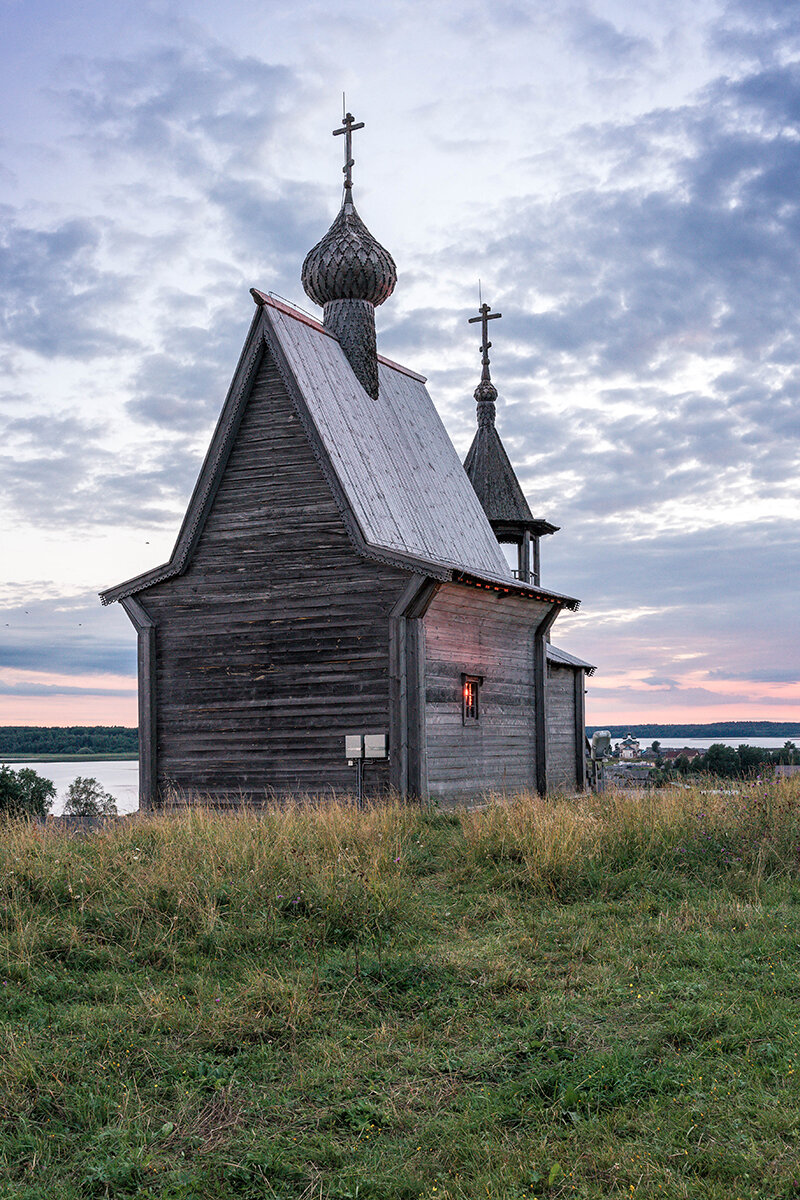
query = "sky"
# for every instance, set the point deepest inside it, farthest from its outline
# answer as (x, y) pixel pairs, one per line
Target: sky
(623, 179)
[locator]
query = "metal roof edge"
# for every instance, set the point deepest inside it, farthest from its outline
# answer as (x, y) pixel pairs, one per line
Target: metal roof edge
(263, 298)
(556, 654)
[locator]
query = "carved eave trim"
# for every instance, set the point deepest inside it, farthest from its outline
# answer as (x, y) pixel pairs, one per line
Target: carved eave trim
(512, 587)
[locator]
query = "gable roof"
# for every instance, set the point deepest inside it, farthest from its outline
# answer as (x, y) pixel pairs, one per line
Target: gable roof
(401, 488)
(496, 484)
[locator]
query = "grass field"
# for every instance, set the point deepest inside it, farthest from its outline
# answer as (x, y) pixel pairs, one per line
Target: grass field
(570, 998)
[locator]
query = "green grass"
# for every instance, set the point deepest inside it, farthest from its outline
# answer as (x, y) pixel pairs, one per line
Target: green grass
(591, 998)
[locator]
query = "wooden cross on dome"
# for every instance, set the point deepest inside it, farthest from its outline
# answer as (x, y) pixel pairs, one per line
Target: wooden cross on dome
(486, 316)
(349, 123)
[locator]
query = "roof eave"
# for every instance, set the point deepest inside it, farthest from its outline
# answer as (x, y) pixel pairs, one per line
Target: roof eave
(536, 526)
(565, 659)
(139, 582)
(518, 589)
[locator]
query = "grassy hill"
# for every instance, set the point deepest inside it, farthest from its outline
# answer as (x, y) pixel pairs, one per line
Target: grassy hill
(582, 998)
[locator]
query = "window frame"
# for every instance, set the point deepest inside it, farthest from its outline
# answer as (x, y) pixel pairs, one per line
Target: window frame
(467, 678)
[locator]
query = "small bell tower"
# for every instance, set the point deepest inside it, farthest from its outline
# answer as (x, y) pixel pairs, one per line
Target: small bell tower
(493, 477)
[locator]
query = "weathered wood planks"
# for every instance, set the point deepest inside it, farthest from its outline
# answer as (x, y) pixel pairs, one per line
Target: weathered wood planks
(489, 635)
(275, 641)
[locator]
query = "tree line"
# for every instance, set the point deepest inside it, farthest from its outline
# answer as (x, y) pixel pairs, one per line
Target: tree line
(71, 739)
(728, 763)
(717, 729)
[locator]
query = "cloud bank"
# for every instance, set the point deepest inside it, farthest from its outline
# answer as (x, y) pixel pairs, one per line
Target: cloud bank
(627, 191)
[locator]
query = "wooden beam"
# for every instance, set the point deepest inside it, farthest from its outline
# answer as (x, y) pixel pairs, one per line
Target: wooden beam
(398, 707)
(540, 695)
(146, 655)
(580, 730)
(405, 702)
(417, 735)
(524, 558)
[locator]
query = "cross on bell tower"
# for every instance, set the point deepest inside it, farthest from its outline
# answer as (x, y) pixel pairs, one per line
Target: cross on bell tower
(485, 392)
(349, 124)
(486, 315)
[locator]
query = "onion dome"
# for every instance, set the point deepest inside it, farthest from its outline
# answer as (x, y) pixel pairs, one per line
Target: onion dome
(348, 263)
(348, 273)
(485, 396)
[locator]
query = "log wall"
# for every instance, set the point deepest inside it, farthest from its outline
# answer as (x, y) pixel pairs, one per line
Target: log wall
(488, 634)
(561, 738)
(274, 643)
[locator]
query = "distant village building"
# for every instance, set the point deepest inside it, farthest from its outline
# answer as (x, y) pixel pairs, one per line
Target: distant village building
(687, 752)
(629, 749)
(338, 606)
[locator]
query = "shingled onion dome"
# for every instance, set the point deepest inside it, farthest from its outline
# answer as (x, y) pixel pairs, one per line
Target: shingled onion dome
(485, 397)
(348, 273)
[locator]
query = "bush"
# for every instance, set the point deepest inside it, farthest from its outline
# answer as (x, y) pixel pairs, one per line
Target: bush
(86, 798)
(23, 793)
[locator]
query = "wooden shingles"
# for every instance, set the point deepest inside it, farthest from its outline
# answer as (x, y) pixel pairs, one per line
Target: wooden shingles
(393, 457)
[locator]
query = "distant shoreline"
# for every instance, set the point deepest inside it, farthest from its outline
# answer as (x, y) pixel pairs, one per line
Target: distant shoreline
(720, 729)
(18, 758)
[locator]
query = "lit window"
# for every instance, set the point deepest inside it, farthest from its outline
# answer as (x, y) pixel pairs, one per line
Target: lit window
(470, 698)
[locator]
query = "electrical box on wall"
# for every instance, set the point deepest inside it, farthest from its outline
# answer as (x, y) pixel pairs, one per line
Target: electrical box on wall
(374, 745)
(353, 745)
(365, 745)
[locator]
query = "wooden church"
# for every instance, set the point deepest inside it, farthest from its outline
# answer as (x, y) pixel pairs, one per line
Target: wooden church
(338, 612)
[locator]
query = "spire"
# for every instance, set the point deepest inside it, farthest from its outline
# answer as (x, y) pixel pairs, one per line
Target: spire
(493, 477)
(485, 393)
(348, 273)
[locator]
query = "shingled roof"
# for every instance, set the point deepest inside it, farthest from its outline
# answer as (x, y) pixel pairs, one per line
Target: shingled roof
(399, 482)
(564, 659)
(496, 484)
(392, 455)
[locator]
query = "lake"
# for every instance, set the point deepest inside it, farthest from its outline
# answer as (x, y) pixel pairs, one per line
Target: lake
(768, 743)
(121, 778)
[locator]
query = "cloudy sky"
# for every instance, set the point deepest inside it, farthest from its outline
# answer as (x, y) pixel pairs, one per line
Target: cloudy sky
(622, 178)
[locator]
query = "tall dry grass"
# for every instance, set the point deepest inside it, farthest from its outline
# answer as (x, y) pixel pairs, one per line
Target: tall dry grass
(570, 844)
(235, 881)
(308, 877)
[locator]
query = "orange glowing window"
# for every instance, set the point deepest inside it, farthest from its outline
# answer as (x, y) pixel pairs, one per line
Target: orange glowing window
(470, 698)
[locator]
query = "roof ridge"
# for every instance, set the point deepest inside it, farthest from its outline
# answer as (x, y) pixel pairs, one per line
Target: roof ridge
(291, 310)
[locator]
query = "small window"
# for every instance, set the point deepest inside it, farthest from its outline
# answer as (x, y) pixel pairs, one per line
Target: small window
(471, 698)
